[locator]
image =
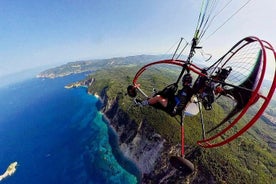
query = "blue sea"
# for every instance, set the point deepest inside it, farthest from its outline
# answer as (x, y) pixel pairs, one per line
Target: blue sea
(58, 135)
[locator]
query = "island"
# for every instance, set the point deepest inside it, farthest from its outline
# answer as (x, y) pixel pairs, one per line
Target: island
(10, 170)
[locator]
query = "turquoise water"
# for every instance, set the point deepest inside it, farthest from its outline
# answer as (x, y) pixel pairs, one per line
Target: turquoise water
(58, 136)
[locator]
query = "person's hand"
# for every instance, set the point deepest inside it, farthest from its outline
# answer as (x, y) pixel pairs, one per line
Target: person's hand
(218, 90)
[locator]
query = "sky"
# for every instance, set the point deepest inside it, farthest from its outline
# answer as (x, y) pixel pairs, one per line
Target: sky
(53, 32)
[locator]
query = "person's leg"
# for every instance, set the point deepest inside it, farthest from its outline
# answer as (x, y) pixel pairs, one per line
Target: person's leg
(158, 99)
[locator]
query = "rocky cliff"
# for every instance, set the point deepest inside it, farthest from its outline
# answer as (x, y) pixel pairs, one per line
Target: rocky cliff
(148, 150)
(139, 141)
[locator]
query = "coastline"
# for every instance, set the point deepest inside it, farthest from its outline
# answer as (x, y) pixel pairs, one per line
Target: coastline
(125, 161)
(84, 83)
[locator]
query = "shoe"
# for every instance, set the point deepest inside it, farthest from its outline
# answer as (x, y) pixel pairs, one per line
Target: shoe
(207, 105)
(154, 91)
(138, 102)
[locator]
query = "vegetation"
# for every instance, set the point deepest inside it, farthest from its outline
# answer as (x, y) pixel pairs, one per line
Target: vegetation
(248, 159)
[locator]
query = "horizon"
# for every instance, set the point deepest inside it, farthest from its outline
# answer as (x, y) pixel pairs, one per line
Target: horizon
(33, 72)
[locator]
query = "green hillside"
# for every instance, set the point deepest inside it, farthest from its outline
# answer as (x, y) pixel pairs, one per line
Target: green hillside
(247, 159)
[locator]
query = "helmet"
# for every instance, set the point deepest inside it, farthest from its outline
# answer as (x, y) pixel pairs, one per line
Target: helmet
(223, 73)
(187, 78)
(131, 91)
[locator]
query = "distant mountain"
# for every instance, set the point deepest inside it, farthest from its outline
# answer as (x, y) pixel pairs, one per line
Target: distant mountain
(93, 65)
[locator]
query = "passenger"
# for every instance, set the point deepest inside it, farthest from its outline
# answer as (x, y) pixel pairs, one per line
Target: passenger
(172, 104)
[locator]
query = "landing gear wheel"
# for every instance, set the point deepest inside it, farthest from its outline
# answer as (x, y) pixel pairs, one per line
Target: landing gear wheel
(182, 164)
